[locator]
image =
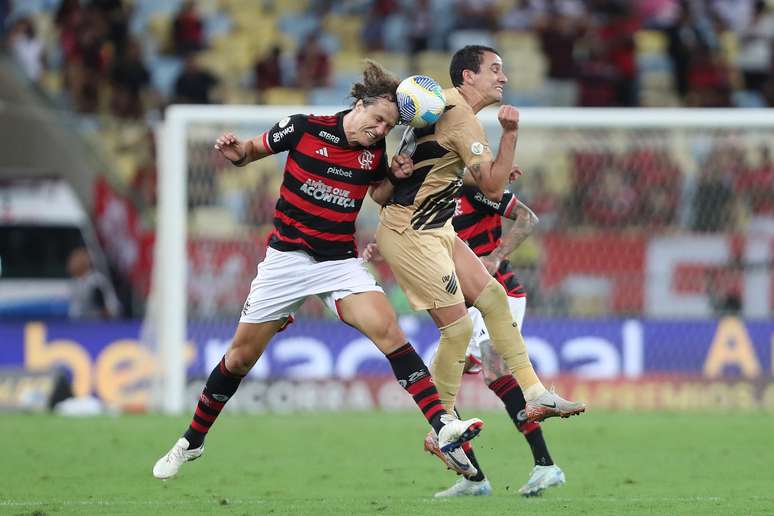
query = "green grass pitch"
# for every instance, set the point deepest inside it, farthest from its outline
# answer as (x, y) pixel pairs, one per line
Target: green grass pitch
(373, 463)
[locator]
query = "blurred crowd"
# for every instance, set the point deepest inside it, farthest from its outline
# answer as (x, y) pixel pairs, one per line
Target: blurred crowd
(111, 54)
(129, 59)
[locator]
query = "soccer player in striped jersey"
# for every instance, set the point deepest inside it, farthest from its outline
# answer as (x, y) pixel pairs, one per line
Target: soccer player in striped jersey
(333, 161)
(478, 221)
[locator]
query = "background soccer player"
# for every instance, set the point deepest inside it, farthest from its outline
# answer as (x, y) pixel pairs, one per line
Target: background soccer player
(332, 162)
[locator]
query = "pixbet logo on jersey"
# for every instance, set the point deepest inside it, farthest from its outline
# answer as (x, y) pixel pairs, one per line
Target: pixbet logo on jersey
(326, 193)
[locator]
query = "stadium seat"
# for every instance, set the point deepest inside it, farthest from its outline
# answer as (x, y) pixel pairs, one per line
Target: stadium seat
(217, 24)
(164, 71)
(519, 41)
(393, 61)
(748, 99)
(461, 38)
(348, 63)
(217, 62)
(284, 96)
(328, 97)
(436, 65)
(160, 29)
(650, 42)
(347, 28)
(729, 45)
(529, 69)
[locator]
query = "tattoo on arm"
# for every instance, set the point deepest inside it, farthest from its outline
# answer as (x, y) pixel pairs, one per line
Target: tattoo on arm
(524, 220)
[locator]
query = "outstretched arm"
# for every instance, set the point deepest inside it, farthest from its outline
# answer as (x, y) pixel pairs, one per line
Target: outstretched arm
(240, 153)
(524, 222)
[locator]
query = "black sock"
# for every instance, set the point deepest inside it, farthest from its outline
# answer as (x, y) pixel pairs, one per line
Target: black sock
(468, 449)
(510, 393)
(413, 375)
(220, 386)
(538, 446)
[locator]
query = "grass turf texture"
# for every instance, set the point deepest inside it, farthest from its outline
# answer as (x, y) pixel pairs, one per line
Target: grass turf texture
(373, 463)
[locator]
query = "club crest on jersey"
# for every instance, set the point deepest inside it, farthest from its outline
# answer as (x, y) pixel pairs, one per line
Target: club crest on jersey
(477, 148)
(366, 159)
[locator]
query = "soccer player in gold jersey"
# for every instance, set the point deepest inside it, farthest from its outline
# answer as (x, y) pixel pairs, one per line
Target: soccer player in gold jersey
(436, 269)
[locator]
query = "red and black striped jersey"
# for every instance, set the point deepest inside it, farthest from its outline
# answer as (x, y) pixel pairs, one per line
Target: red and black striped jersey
(323, 185)
(477, 220)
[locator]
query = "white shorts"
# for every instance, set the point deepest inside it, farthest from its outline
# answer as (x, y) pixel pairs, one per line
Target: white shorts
(480, 333)
(285, 279)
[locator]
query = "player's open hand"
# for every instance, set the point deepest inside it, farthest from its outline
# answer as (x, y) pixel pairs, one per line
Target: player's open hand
(508, 117)
(402, 167)
(230, 146)
(516, 172)
(371, 253)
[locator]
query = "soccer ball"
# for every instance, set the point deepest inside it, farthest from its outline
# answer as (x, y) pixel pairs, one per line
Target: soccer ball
(420, 101)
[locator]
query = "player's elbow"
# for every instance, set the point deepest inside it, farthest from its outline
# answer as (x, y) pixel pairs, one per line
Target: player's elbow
(378, 195)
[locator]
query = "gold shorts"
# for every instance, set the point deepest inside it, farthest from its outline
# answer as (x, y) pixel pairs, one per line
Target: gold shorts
(423, 265)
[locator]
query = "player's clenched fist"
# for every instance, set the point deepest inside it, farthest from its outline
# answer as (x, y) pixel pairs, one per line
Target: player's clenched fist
(230, 146)
(402, 166)
(508, 117)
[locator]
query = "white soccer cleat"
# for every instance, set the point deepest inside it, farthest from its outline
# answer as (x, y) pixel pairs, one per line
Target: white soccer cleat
(550, 404)
(541, 478)
(168, 465)
(455, 460)
(465, 487)
(456, 432)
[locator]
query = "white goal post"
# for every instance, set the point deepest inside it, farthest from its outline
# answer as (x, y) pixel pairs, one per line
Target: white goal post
(167, 309)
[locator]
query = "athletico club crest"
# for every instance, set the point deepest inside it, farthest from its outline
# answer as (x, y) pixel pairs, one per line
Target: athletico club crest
(366, 159)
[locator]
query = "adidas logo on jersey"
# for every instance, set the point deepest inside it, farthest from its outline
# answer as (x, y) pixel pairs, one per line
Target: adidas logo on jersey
(322, 151)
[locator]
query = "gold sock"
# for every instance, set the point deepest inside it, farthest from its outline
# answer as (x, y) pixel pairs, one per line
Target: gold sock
(449, 359)
(506, 338)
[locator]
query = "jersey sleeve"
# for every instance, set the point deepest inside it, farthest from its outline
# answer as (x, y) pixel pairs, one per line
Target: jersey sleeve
(465, 135)
(285, 134)
(481, 203)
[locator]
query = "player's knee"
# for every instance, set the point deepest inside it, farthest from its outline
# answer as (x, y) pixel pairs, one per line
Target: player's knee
(458, 333)
(242, 355)
(492, 297)
(386, 333)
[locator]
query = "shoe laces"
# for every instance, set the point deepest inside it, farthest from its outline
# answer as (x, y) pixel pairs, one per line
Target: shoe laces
(177, 453)
(448, 418)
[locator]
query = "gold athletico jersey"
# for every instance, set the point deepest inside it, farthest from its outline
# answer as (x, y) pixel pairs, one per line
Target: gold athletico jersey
(440, 153)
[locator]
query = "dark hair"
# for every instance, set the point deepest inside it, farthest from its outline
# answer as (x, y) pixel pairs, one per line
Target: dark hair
(467, 58)
(377, 83)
